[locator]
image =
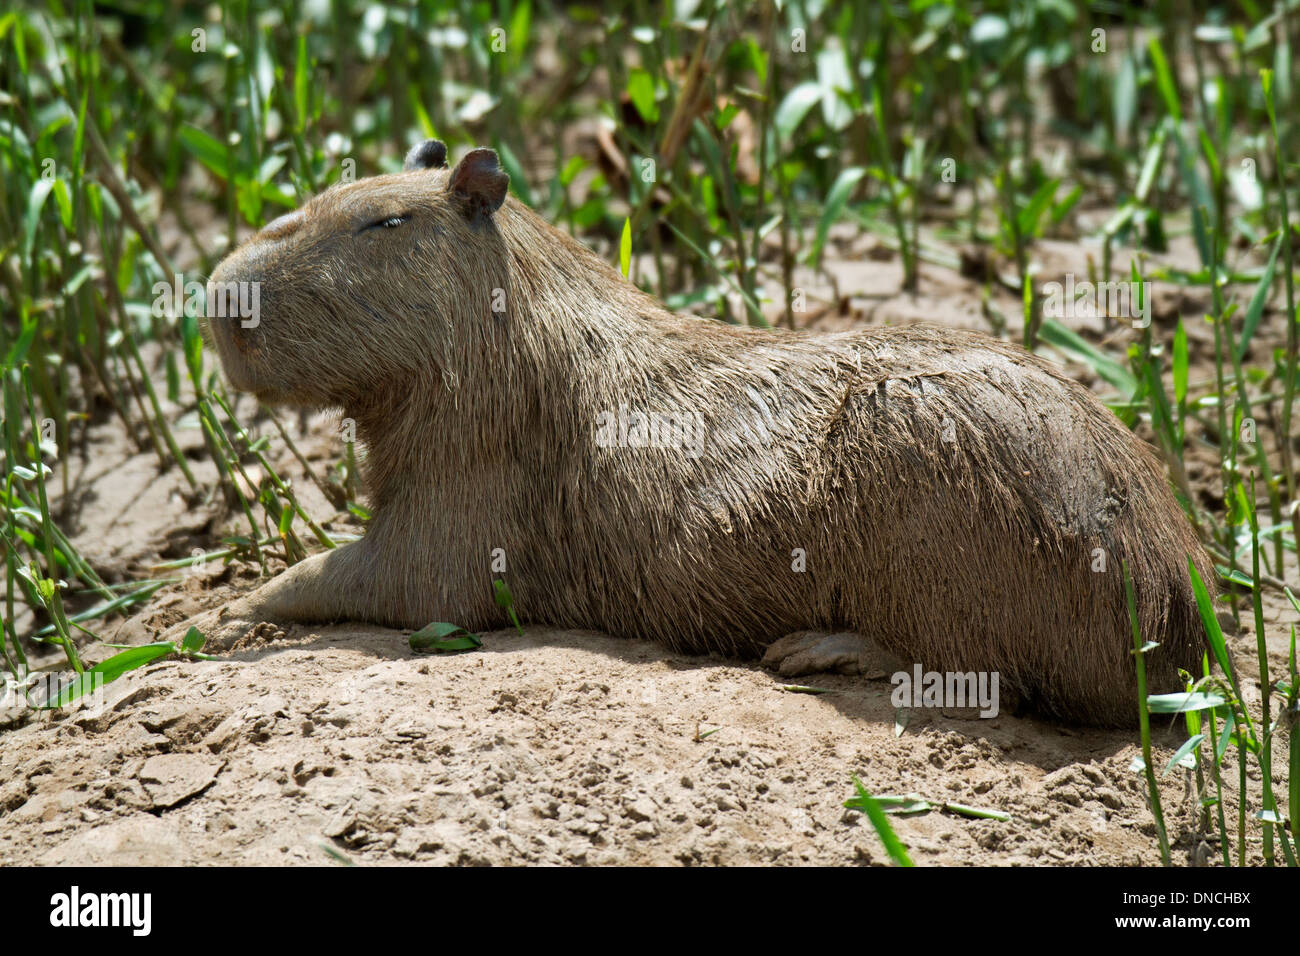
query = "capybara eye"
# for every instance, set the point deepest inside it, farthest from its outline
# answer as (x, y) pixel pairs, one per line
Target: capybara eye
(389, 222)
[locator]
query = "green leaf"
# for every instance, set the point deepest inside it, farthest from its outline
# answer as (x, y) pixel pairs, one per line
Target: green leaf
(1164, 79)
(117, 665)
(104, 608)
(520, 22)
(18, 351)
(1211, 155)
(441, 638)
(193, 342)
(977, 812)
(571, 169)
(421, 114)
(1191, 744)
(248, 197)
(907, 805)
(35, 201)
(1266, 83)
(1062, 209)
(109, 671)
(1213, 632)
(725, 115)
(1256, 308)
(1225, 739)
(80, 685)
(1293, 768)
(506, 600)
(1028, 217)
(893, 846)
(641, 90)
(989, 28)
(64, 201)
(834, 79)
(518, 181)
(206, 148)
(1151, 163)
(193, 640)
(625, 249)
(1235, 576)
(1117, 222)
(1200, 232)
(1124, 96)
(301, 81)
(1182, 702)
(794, 108)
(835, 202)
(1180, 364)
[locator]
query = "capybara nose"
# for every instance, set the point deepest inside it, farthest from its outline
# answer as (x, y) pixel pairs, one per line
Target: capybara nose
(282, 227)
(234, 306)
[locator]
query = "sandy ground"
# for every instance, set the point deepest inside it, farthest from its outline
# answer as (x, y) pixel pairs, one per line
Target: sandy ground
(339, 743)
(553, 747)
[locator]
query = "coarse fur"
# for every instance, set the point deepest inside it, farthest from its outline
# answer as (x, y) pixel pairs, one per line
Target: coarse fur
(947, 494)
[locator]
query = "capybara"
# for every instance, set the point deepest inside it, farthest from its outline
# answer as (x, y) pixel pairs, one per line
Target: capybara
(529, 414)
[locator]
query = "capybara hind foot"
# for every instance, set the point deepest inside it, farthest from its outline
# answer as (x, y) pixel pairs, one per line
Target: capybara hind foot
(816, 652)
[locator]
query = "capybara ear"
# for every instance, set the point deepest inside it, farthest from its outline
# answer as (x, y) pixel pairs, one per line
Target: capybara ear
(430, 154)
(480, 179)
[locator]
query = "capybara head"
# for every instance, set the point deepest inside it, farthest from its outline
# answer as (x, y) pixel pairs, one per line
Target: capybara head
(361, 287)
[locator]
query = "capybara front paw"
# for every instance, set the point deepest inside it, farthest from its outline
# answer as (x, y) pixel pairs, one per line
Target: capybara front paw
(256, 635)
(229, 628)
(815, 652)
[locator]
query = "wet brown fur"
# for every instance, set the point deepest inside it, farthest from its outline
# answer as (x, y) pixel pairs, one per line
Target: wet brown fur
(948, 490)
